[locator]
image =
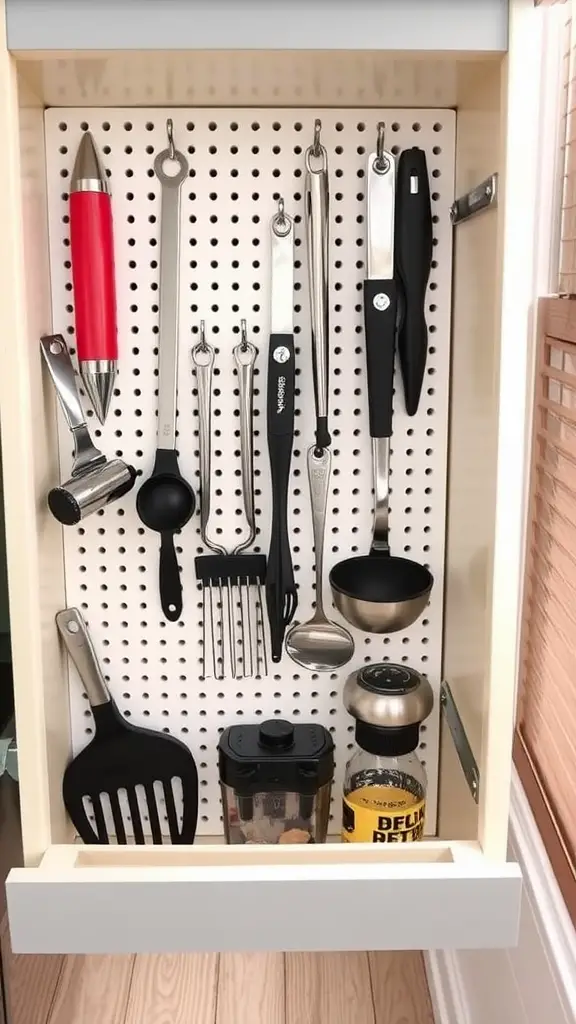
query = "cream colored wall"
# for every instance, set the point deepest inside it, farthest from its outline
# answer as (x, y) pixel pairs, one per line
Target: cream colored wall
(245, 78)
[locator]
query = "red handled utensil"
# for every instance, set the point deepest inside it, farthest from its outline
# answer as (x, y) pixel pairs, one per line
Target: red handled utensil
(92, 258)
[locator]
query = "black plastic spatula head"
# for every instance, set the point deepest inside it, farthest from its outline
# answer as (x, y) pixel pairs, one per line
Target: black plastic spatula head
(123, 760)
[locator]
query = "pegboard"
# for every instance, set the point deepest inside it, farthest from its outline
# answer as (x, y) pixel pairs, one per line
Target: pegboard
(241, 161)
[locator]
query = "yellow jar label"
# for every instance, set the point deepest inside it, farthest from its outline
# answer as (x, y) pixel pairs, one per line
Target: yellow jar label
(382, 814)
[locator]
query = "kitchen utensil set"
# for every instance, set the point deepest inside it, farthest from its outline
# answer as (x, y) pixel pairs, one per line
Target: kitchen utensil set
(375, 592)
(127, 777)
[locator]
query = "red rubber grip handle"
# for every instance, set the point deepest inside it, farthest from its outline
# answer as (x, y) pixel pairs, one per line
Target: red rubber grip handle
(92, 257)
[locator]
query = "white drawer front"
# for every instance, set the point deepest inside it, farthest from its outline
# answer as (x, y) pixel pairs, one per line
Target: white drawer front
(210, 899)
(178, 25)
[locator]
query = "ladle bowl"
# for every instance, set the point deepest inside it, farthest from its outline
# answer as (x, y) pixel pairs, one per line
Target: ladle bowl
(380, 593)
(165, 503)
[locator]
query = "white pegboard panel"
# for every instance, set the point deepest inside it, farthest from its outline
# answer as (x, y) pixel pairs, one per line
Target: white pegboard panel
(241, 160)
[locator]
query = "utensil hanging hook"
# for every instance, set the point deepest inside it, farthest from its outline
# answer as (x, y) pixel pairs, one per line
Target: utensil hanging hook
(203, 344)
(281, 223)
(381, 164)
(244, 336)
(170, 134)
(316, 147)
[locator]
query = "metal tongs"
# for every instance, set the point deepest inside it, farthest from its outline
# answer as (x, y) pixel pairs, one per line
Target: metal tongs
(234, 575)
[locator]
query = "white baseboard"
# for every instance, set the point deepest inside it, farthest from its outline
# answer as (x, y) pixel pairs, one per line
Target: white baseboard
(532, 983)
(446, 988)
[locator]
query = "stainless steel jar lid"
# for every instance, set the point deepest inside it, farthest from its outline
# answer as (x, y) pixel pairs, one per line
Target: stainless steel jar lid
(388, 696)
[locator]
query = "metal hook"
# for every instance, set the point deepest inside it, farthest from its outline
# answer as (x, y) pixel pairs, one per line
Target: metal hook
(169, 132)
(244, 335)
(281, 223)
(316, 146)
(381, 163)
(203, 345)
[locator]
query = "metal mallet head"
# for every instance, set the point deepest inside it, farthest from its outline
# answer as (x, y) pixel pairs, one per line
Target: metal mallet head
(95, 480)
(89, 491)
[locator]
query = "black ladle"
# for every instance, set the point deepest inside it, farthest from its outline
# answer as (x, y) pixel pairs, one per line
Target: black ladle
(165, 503)
(166, 500)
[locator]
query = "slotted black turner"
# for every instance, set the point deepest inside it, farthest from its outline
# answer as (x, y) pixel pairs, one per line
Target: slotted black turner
(122, 757)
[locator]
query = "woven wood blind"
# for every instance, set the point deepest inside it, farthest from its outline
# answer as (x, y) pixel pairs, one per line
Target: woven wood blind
(546, 726)
(567, 262)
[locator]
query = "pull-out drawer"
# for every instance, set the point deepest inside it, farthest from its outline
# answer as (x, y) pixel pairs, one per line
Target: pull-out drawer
(453, 891)
(118, 900)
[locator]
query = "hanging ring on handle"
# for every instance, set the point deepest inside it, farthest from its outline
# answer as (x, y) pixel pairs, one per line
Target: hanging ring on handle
(381, 163)
(316, 152)
(170, 134)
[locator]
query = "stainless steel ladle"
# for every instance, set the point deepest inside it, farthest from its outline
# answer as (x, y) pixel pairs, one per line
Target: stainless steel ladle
(319, 645)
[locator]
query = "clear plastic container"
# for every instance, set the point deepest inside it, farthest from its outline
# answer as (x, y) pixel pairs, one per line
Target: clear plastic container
(275, 780)
(276, 817)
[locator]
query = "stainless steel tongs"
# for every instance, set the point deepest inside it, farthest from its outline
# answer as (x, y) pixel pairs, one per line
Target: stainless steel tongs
(316, 216)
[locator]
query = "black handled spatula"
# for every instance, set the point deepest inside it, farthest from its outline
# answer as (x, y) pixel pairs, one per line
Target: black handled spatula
(122, 758)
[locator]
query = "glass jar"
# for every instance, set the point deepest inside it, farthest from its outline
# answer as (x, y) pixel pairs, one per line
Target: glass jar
(384, 798)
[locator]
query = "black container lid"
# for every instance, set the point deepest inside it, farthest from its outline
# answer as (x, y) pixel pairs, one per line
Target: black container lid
(276, 756)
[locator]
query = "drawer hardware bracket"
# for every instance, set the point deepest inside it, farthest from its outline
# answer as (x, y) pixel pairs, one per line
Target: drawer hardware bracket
(483, 197)
(9, 752)
(463, 748)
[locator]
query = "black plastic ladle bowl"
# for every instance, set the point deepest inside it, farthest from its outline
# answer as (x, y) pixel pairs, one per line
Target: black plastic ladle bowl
(165, 503)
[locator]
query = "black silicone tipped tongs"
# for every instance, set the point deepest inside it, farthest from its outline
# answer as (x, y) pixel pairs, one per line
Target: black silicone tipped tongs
(281, 595)
(413, 262)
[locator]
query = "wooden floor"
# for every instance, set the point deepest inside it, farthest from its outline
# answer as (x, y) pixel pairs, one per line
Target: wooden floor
(230, 988)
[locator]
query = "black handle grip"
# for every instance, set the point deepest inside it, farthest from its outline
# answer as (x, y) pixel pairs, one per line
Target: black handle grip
(380, 328)
(323, 439)
(414, 243)
(281, 375)
(413, 352)
(280, 416)
(169, 578)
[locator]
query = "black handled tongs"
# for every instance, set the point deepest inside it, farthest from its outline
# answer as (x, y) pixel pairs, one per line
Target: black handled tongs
(413, 262)
(281, 595)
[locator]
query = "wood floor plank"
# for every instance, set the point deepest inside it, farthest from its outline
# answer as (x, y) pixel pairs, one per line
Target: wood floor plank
(92, 990)
(173, 989)
(30, 981)
(251, 989)
(400, 988)
(328, 988)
